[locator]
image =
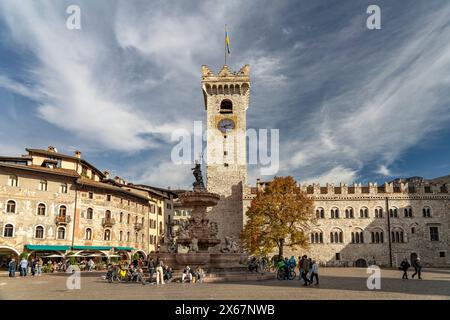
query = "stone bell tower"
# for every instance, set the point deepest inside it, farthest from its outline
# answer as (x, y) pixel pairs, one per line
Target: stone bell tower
(226, 97)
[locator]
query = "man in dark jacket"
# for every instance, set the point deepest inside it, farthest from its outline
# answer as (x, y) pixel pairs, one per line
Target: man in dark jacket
(405, 266)
(12, 265)
(305, 268)
(417, 268)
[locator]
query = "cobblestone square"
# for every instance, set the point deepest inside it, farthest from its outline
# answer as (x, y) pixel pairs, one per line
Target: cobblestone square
(335, 283)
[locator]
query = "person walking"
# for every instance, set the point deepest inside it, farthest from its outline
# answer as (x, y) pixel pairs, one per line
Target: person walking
(33, 267)
(39, 267)
(315, 272)
(151, 269)
(23, 267)
(417, 268)
(405, 266)
(300, 267)
(12, 265)
(90, 265)
(160, 272)
(305, 269)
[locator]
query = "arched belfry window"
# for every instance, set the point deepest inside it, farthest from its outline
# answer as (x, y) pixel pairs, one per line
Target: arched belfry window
(226, 107)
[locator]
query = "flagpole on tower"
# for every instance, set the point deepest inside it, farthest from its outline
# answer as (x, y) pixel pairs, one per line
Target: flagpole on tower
(225, 43)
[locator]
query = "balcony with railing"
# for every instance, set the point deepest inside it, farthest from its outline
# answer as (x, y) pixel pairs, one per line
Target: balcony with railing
(108, 222)
(62, 220)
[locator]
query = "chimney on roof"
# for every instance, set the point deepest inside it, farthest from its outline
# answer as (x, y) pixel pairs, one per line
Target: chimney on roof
(77, 154)
(51, 149)
(106, 173)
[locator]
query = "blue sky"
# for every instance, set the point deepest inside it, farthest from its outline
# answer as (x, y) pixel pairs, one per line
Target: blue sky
(351, 104)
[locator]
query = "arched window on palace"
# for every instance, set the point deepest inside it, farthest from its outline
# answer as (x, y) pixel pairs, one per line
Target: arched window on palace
(377, 236)
(317, 237)
(397, 235)
(39, 232)
(61, 233)
(8, 231)
(364, 212)
(334, 213)
(336, 236)
(378, 212)
(41, 209)
(349, 213)
(89, 213)
(358, 236)
(320, 213)
(88, 234)
(62, 211)
(11, 206)
(107, 235)
(408, 212)
(393, 212)
(426, 212)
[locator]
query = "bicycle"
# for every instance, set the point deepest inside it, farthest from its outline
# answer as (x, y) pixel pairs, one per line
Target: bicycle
(281, 274)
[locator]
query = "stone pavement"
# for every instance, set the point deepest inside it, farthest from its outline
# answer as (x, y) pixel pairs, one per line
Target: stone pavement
(335, 283)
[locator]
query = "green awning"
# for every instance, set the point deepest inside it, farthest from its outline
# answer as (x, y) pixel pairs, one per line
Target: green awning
(36, 247)
(124, 248)
(91, 248)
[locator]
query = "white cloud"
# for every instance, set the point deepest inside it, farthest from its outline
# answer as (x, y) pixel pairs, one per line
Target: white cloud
(384, 170)
(167, 174)
(18, 88)
(335, 175)
(395, 105)
(69, 82)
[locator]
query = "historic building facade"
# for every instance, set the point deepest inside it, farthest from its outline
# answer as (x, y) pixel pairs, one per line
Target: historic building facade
(55, 202)
(357, 224)
(226, 97)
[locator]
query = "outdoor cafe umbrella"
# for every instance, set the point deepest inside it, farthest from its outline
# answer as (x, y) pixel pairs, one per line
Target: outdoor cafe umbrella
(94, 255)
(54, 256)
(113, 256)
(75, 255)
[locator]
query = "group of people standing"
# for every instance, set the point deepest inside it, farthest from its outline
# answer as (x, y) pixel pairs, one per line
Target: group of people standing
(163, 272)
(34, 266)
(308, 269)
(416, 264)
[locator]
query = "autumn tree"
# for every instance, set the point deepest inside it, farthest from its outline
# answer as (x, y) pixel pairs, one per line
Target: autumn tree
(277, 217)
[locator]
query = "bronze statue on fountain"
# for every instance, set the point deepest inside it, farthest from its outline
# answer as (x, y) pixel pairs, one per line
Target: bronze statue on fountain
(198, 235)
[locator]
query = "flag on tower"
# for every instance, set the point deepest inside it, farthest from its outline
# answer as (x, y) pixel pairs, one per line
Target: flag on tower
(227, 40)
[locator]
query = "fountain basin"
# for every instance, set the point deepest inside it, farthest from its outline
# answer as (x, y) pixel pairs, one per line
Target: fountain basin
(198, 198)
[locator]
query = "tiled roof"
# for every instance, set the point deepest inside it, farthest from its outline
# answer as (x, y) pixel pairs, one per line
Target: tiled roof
(57, 171)
(107, 186)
